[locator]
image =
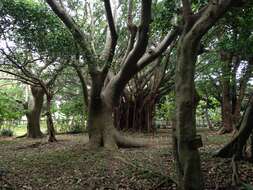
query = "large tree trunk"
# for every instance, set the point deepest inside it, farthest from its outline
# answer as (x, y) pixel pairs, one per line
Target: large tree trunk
(33, 116)
(50, 123)
(186, 101)
(226, 110)
(102, 132)
(100, 125)
(227, 124)
(235, 146)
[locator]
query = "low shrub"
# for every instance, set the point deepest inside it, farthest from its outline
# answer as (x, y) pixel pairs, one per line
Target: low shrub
(75, 129)
(6, 133)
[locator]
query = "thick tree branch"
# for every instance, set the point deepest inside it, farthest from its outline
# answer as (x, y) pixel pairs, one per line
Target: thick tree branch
(129, 67)
(83, 83)
(56, 74)
(20, 77)
(208, 18)
(111, 38)
(76, 32)
(149, 57)
(110, 20)
(142, 38)
(20, 67)
(47, 64)
(187, 10)
(130, 64)
(132, 30)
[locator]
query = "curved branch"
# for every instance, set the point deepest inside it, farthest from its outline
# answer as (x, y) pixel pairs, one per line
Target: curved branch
(208, 18)
(111, 38)
(129, 67)
(110, 20)
(78, 35)
(83, 83)
(142, 37)
(132, 30)
(26, 72)
(149, 57)
(20, 78)
(54, 77)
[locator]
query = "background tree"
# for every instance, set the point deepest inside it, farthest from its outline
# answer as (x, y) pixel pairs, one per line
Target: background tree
(22, 71)
(36, 56)
(225, 65)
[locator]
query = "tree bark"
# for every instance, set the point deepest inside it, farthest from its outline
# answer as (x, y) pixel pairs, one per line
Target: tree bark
(100, 120)
(175, 153)
(186, 101)
(84, 87)
(251, 147)
(50, 123)
(227, 124)
(33, 116)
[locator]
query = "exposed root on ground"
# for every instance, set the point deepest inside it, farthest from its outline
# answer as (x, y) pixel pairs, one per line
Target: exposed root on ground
(21, 136)
(228, 150)
(128, 142)
(224, 131)
(112, 140)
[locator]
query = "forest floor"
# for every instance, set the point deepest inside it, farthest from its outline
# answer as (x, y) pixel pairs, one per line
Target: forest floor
(27, 164)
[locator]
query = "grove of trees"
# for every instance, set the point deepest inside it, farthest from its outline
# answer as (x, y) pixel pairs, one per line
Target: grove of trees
(110, 66)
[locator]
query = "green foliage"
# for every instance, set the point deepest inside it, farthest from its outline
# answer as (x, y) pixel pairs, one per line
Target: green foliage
(72, 127)
(6, 132)
(233, 35)
(166, 108)
(164, 11)
(35, 26)
(236, 34)
(10, 108)
(212, 106)
(73, 106)
(73, 116)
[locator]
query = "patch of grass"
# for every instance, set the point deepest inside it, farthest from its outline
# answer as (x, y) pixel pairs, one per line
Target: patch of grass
(19, 130)
(218, 139)
(22, 129)
(7, 142)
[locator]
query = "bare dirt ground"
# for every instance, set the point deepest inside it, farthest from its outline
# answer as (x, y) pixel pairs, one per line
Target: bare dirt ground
(27, 164)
